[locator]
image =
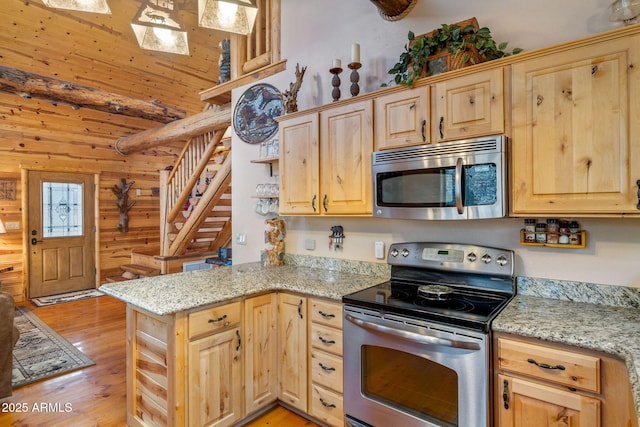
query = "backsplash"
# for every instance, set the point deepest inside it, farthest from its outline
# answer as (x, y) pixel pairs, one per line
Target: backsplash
(343, 265)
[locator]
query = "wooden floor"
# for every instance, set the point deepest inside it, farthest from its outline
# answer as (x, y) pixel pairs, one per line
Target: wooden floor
(96, 395)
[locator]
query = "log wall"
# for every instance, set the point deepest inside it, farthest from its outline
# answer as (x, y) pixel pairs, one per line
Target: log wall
(98, 51)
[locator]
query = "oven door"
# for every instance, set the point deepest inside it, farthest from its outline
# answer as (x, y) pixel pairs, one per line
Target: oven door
(405, 372)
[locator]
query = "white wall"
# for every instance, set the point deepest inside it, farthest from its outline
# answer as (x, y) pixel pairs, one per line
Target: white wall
(314, 32)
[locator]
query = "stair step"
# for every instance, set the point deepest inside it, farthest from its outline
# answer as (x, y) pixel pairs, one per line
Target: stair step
(140, 270)
(114, 279)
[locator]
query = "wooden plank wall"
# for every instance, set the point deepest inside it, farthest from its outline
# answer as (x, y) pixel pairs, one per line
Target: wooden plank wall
(98, 51)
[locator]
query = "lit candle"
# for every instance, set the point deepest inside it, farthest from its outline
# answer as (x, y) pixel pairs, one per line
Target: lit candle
(337, 63)
(355, 53)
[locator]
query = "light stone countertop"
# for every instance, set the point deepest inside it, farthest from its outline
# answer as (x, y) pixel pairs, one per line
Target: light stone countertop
(612, 329)
(177, 292)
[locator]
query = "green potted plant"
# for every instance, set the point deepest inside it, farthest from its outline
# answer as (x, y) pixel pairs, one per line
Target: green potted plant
(446, 48)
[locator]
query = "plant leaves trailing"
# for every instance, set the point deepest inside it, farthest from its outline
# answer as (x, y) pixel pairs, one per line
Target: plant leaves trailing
(412, 63)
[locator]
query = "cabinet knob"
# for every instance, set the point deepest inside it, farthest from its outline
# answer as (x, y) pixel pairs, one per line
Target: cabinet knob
(638, 184)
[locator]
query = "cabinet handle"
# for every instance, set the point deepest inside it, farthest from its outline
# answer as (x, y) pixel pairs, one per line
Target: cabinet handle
(326, 315)
(505, 394)
(219, 319)
(300, 309)
(313, 202)
(638, 184)
(424, 129)
(238, 346)
(324, 203)
(326, 368)
(545, 366)
(327, 405)
(325, 341)
(441, 127)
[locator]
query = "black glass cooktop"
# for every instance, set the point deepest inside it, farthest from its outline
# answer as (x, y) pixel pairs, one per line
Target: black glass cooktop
(457, 299)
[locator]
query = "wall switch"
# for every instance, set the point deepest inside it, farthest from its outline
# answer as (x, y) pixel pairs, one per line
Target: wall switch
(379, 249)
(241, 239)
(138, 192)
(12, 225)
(310, 244)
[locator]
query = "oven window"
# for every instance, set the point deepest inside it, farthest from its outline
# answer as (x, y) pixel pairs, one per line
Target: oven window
(417, 188)
(412, 384)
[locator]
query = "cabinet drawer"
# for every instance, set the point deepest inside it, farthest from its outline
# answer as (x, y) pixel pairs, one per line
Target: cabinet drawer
(326, 370)
(214, 319)
(327, 339)
(574, 370)
(326, 406)
(327, 313)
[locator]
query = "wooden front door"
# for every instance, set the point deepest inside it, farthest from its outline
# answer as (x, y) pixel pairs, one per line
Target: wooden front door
(61, 233)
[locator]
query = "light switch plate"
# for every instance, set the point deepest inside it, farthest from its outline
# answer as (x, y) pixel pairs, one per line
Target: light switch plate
(379, 250)
(310, 244)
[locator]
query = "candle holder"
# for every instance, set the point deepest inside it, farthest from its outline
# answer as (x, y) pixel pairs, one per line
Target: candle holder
(335, 82)
(355, 78)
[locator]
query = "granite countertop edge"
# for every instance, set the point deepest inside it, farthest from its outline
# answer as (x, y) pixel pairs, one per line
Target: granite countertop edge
(609, 329)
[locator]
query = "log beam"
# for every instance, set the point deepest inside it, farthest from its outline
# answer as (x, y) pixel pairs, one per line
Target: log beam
(55, 91)
(218, 118)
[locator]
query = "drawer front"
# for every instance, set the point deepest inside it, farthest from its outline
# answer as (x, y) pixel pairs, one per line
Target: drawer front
(559, 366)
(327, 339)
(326, 370)
(213, 319)
(327, 313)
(326, 405)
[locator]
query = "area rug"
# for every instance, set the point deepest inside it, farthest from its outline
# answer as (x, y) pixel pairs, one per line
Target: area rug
(40, 352)
(70, 296)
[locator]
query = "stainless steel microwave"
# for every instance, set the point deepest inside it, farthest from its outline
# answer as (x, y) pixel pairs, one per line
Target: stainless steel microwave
(465, 179)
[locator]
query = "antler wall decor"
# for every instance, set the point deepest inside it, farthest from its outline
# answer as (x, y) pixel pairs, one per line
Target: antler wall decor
(121, 190)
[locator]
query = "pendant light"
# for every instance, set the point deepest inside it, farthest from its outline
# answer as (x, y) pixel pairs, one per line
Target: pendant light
(626, 11)
(233, 16)
(156, 27)
(96, 6)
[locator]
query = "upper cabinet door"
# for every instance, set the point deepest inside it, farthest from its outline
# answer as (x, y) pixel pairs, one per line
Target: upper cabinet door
(346, 144)
(576, 122)
(468, 106)
(299, 166)
(401, 119)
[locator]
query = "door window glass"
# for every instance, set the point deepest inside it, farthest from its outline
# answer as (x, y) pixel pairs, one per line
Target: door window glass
(62, 209)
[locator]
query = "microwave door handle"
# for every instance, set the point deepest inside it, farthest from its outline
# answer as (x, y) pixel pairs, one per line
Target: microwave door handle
(458, 186)
(412, 336)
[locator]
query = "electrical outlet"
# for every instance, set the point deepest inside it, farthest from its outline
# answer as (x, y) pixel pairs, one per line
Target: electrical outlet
(379, 250)
(310, 244)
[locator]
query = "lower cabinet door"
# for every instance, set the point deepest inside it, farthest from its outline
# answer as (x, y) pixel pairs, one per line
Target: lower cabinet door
(215, 379)
(525, 403)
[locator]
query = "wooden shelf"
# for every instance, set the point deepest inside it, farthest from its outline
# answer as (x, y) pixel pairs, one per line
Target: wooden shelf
(268, 160)
(582, 245)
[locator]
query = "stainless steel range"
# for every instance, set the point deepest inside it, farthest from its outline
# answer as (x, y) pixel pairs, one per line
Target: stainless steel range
(417, 348)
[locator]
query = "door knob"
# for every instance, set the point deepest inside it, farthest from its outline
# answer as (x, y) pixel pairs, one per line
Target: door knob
(35, 241)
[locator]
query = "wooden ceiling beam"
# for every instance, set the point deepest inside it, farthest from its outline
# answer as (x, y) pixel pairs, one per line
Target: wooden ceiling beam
(213, 119)
(55, 91)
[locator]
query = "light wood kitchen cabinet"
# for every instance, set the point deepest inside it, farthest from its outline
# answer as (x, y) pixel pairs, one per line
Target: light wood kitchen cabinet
(325, 359)
(468, 106)
(300, 165)
(553, 384)
(334, 176)
(401, 119)
(260, 325)
(215, 367)
(576, 130)
(292, 350)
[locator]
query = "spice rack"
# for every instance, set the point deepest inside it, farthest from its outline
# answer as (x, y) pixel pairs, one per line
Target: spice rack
(581, 245)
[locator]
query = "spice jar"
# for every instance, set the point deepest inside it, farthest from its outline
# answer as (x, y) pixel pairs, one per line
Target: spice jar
(530, 230)
(541, 232)
(574, 233)
(563, 230)
(552, 230)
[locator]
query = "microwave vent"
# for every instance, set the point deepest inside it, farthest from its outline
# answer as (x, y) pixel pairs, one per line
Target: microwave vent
(455, 148)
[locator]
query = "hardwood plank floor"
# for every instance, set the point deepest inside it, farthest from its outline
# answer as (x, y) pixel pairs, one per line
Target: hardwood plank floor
(96, 394)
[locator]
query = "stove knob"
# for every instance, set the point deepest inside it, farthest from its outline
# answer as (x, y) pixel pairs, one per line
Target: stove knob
(394, 252)
(502, 260)
(405, 252)
(486, 258)
(472, 257)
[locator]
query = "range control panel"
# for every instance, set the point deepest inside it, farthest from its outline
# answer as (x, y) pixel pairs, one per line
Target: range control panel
(453, 257)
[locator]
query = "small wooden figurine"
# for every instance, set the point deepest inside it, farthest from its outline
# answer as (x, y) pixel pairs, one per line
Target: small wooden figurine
(290, 96)
(121, 190)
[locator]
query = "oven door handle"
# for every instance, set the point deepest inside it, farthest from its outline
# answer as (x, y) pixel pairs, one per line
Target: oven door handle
(412, 336)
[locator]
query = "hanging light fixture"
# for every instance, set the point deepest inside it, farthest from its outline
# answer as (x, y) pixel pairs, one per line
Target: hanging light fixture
(96, 6)
(157, 28)
(626, 11)
(234, 16)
